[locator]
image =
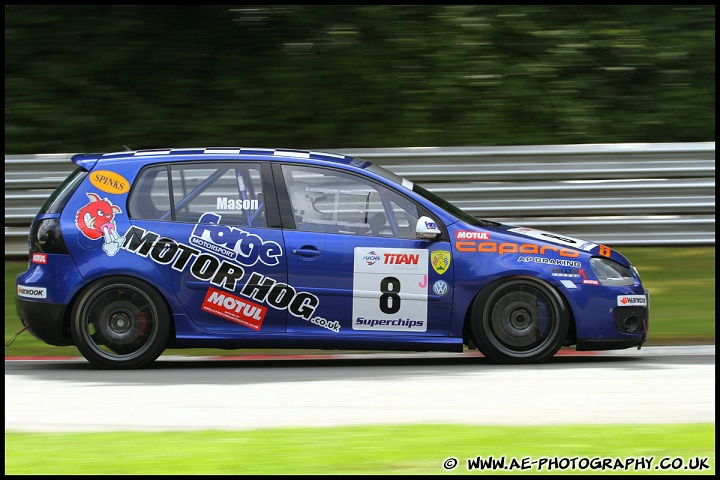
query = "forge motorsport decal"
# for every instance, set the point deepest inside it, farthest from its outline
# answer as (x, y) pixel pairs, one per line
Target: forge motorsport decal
(233, 243)
(390, 289)
(97, 220)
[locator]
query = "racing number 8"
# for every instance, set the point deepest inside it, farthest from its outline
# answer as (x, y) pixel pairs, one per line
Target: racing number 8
(558, 237)
(390, 299)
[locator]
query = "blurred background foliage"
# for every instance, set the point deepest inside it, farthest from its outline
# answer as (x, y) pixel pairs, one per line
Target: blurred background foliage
(92, 78)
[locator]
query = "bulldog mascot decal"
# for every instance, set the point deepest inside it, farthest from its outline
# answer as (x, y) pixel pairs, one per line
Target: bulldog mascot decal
(97, 220)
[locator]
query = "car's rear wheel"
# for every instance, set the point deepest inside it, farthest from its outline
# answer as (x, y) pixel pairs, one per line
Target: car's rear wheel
(120, 322)
(519, 320)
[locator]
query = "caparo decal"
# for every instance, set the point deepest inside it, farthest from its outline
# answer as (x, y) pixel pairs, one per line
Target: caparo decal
(97, 220)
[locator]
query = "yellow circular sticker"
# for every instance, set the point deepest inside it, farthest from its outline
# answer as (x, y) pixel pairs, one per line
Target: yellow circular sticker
(109, 182)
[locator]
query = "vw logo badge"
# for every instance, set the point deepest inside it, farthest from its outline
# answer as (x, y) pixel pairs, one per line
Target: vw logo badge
(440, 287)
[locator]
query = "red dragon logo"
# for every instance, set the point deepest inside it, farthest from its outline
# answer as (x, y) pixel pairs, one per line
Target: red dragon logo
(97, 220)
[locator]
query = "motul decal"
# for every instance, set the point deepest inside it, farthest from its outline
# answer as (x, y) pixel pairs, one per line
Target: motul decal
(235, 309)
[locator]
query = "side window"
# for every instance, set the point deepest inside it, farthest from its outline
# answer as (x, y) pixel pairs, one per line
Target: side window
(331, 201)
(232, 192)
(150, 198)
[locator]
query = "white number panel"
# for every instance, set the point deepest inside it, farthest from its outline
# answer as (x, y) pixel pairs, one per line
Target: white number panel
(390, 289)
(555, 238)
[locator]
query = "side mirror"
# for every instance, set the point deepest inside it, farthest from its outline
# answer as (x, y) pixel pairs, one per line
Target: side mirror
(426, 228)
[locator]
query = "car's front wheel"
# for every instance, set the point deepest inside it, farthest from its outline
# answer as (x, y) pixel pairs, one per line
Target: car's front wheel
(519, 320)
(120, 323)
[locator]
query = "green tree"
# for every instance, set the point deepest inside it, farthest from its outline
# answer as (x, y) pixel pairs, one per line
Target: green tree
(92, 78)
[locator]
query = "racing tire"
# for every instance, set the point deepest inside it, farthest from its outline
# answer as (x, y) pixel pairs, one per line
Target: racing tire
(120, 323)
(519, 320)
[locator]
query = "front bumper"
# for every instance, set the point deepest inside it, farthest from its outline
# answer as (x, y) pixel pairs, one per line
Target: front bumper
(585, 344)
(631, 324)
(609, 321)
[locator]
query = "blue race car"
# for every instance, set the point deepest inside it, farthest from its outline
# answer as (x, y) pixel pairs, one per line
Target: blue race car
(139, 251)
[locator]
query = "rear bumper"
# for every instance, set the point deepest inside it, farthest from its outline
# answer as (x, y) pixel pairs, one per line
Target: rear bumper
(45, 321)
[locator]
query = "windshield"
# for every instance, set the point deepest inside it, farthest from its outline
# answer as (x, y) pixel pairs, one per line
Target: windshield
(439, 201)
(452, 209)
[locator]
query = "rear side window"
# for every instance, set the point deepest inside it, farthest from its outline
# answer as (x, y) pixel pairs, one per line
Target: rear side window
(184, 193)
(150, 197)
(56, 202)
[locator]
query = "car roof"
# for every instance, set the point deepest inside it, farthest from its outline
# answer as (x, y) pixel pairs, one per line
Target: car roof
(88, 160)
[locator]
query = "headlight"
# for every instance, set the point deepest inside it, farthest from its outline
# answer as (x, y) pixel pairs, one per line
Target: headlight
(611, 273)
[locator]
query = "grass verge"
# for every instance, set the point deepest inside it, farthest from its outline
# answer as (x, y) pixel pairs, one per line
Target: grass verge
(394, 450)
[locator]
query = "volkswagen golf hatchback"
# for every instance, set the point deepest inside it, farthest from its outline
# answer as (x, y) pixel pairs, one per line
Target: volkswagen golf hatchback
(139, 251)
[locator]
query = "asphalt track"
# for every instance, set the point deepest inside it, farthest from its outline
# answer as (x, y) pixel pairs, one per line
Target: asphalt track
(652, 385)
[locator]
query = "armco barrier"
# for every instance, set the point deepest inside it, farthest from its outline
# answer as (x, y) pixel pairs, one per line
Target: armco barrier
(616, 194)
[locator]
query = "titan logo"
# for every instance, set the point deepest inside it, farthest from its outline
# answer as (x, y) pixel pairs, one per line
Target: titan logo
(401, 259)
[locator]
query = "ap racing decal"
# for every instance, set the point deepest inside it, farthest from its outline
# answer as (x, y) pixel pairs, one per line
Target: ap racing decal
(390, 289)
(96, 220)
(551, 261)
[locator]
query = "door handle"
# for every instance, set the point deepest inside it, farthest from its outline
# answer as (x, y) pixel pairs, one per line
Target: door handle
(306, 252)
